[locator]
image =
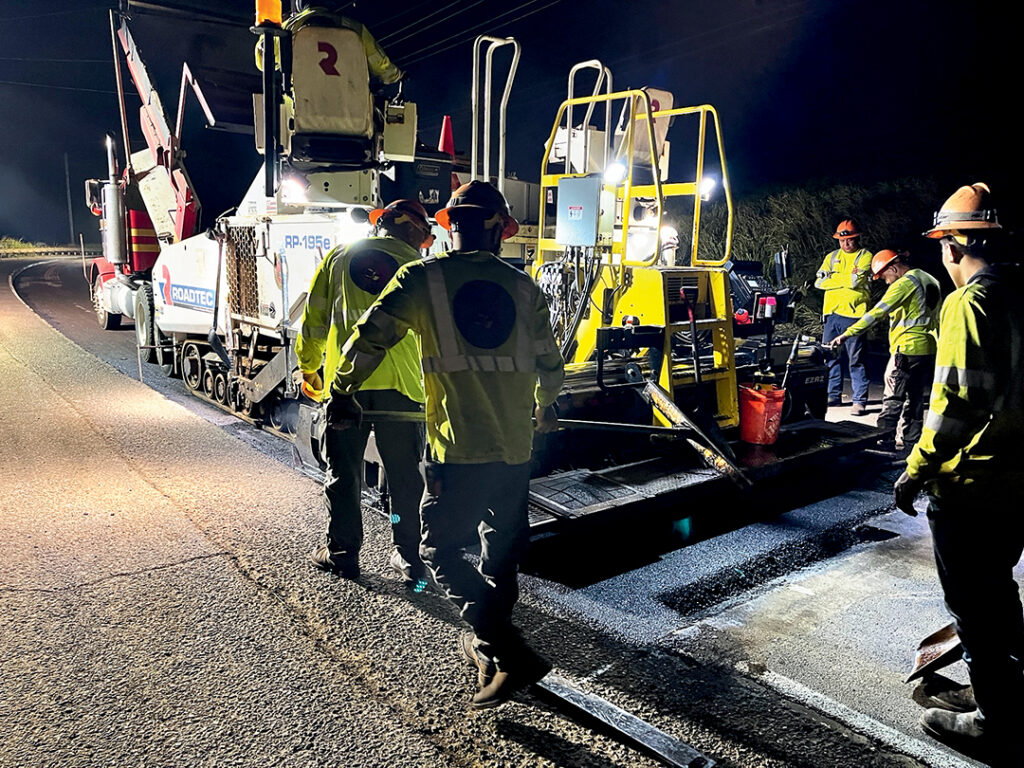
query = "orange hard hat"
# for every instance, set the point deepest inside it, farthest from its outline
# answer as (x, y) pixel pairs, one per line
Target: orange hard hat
(847, 228)
(967, 208)
(881, 260)
(481, 196)
(394, 209)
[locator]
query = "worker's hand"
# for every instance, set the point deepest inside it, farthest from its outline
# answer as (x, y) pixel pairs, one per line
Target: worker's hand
(905, 491)
(855, 271)
(837, 342)
(547, 418)
(343, 412)
(312, 385)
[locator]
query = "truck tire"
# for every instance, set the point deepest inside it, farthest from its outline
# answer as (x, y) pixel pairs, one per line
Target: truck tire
(107, 320)
(144, 322)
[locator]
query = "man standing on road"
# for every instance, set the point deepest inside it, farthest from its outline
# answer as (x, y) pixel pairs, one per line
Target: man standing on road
(912, 305)
(843, 277)
(489, 362)
(969, 459)
(345, 284)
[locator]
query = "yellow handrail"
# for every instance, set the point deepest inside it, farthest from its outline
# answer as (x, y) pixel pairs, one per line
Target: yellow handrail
(633, 94)
(704, 110)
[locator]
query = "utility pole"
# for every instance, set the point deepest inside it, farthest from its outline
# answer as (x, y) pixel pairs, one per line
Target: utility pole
(67, 187)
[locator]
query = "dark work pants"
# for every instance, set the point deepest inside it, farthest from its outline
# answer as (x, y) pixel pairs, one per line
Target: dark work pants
(484, 504)
(400, 445)
(978, 537)
(906, 377)
(836, 325)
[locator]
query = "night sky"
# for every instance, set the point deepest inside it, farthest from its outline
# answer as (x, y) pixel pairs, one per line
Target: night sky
(844, 91)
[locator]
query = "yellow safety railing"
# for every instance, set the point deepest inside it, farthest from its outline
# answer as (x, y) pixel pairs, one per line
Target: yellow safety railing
(548, 181)
(627, 191)
(694, 189)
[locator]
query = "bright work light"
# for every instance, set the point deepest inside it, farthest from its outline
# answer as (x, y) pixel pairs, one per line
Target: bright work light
(615, 173)
(707, 186)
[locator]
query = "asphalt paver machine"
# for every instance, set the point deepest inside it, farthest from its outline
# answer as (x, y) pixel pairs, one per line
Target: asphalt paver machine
(657, 352)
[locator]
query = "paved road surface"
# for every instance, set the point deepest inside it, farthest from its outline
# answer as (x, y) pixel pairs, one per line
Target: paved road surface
(156, 608)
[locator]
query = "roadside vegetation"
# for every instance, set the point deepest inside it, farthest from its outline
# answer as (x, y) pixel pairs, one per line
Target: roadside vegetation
(892, 214)
(16, 244)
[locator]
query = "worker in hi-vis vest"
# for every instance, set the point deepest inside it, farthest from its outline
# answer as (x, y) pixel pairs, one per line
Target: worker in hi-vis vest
(490, 362)
(911, 303)
(382, 70)
(969, 461)
(843, 277)
(346, 283)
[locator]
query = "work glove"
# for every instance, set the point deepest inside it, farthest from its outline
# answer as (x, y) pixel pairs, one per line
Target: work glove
(343, 412)
(547, 418)
(905, 491)
(312, 385)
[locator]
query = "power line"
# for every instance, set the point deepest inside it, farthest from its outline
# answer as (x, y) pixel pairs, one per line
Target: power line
(474, 29)
(403, 12)
(420, 20)
(444, 40)
(56, 87)
(56, 61)
(101, 7)
(432, 24)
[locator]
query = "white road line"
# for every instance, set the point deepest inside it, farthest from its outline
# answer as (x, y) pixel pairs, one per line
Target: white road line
(921, 750)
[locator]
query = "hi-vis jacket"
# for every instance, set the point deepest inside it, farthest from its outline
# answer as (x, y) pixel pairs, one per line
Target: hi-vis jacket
(912, 305)
(488, 353)
(975, 421)
(381, 68)
(846, 294)
(345, 284)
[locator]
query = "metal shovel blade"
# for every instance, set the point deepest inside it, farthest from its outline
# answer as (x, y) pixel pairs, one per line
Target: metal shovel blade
(938, 650)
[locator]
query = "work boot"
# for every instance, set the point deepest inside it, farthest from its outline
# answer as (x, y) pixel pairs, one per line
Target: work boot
(942, 693)
(466, 648)
(485, 667)
(343, 564)
(970, 734)
(858, 409)
(520, 671)
(835, 402)
(413, 574)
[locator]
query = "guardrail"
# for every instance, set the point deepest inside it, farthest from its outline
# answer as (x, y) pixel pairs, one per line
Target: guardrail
(48, 253)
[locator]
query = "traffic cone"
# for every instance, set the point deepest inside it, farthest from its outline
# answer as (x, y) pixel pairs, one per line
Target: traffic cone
(446, 143)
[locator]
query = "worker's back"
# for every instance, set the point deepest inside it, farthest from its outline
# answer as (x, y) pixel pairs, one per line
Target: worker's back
(486, 338)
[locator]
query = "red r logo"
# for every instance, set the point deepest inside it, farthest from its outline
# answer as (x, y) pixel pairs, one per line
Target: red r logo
(330, 58)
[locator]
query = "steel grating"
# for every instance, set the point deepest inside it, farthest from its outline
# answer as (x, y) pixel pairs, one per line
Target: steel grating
(240, 264)
(579, 492)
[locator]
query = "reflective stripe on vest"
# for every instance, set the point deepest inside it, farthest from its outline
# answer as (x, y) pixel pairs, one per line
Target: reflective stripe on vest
(922, 315)
(451, 359)
(959, 379)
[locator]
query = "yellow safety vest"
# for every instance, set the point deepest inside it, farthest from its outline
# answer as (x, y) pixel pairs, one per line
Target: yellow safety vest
(975, 421)
(487, 351)
(382, 69)
(912, 305)
(846, 294)
(345, 284)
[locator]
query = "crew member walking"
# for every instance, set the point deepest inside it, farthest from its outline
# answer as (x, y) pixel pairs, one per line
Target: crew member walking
(345, 284)
(968, 458)
(911, 303)
(489, 362)
(843, 277)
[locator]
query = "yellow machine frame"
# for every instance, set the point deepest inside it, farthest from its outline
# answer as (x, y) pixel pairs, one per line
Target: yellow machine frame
(643, 289)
